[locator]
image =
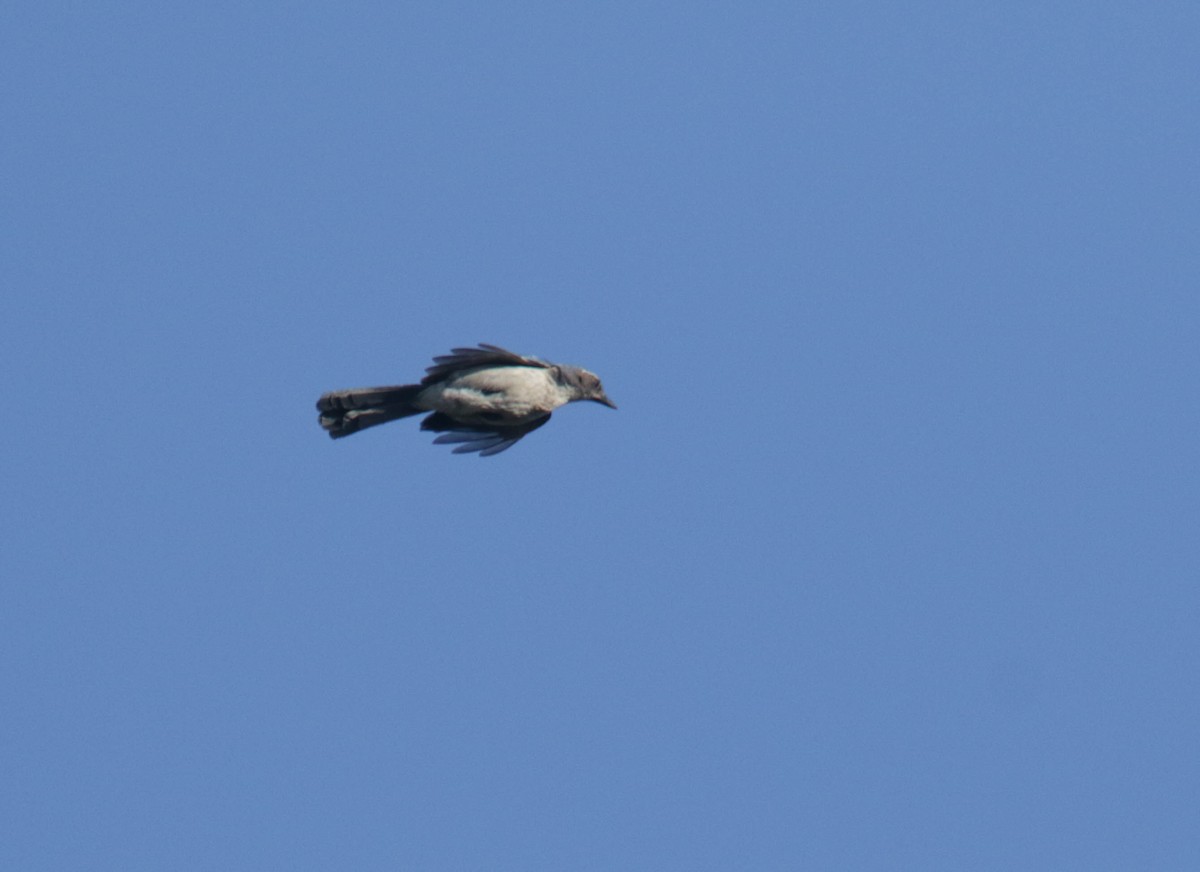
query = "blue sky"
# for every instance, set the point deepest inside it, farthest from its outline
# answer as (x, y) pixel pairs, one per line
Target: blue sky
(888, 560)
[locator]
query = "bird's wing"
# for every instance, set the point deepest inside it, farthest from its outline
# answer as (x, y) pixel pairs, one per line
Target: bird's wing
(486, 440)
(468, 358)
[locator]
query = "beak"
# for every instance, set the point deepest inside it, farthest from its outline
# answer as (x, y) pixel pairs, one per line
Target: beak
(605, 401)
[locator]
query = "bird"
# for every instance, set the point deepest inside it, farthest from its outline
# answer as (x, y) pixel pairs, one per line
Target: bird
(483, 399)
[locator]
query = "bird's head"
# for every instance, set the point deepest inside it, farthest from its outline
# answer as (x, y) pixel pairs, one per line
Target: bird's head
(584, 385)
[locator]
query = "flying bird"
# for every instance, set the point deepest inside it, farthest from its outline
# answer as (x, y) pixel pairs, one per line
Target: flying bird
(482, 399)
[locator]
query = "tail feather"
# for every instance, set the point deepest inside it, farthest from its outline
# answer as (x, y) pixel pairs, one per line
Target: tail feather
(346, 412)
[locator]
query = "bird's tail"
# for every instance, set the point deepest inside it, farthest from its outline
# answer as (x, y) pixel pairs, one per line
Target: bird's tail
(346, 412)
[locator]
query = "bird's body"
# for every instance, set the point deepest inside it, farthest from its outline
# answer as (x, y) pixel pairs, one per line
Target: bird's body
(484, 398)
(515, 393)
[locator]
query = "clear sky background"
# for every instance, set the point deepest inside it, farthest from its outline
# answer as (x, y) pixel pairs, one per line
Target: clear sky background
(888, 560)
